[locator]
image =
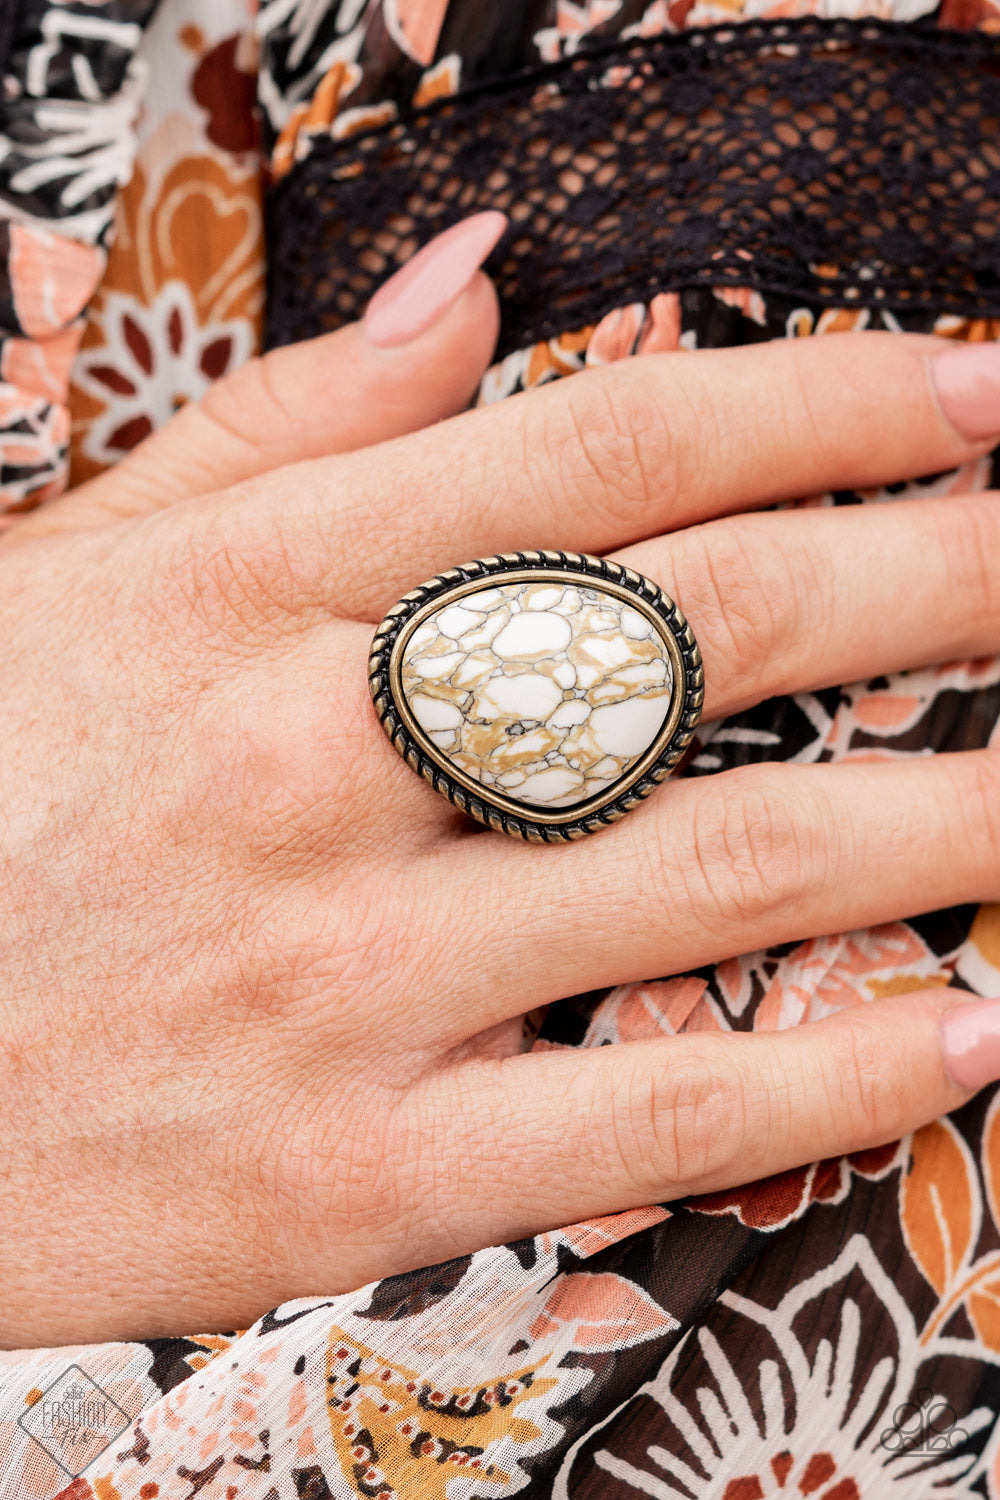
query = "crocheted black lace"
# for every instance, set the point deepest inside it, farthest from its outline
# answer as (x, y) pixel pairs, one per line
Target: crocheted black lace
(852, 163)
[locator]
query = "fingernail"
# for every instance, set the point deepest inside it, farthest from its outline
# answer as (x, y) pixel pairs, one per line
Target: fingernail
(967, 380)
(418, 293)
(970, 1041)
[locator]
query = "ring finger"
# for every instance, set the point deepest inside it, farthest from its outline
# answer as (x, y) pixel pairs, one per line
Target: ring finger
(781, 602)
(793, 601)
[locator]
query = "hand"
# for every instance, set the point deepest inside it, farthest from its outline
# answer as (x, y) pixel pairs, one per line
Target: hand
(262, 988)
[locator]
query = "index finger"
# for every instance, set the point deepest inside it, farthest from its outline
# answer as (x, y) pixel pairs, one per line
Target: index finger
(626, 452)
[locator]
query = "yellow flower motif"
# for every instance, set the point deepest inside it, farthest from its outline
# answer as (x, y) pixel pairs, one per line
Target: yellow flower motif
(397, 1434)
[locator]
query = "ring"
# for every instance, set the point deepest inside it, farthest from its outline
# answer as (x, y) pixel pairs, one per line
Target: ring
(543, 693)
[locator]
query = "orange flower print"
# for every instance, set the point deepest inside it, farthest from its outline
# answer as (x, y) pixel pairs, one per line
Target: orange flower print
(555, 357)
(979, 961)
(573, 23)
(660, 16)
(33, 436)
(967, 330)
(52, 279)
(939, 1202)
(827, 974)
(597, 1234)
(41, 367)
(889, 711)
(313, 118)
(803, 322)
(439, 82)
(601, 1310)
(635, 1012)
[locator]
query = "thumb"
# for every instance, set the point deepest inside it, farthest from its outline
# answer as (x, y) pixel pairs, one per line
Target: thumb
(418, 355)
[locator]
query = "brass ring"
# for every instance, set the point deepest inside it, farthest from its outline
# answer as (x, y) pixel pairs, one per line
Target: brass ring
(543, 693)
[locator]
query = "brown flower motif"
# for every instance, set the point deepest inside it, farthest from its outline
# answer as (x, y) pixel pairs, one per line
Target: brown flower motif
(776, 1201)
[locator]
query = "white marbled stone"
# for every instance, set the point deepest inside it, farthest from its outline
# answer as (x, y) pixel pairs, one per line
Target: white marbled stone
(549, 692)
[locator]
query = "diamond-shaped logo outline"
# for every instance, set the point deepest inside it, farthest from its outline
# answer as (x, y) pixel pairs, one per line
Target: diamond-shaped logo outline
(74, 1370)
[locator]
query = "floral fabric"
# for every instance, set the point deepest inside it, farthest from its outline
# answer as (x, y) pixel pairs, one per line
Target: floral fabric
(834, 1331)
(179, 304)
(71, 95)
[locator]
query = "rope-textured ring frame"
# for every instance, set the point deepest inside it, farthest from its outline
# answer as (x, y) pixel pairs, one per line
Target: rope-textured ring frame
(487, 804)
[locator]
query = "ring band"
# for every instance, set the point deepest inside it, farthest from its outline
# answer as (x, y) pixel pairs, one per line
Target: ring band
(543, 693)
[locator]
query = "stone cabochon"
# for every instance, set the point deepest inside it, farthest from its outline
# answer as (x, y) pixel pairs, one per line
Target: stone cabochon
(548, 692)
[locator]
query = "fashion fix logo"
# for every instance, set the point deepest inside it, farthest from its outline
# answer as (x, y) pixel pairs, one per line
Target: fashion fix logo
(74, 1420)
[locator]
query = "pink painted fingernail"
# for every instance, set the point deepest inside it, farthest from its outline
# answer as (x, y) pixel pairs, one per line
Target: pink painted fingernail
(970, 1041)
(418, 293)
(967, 380)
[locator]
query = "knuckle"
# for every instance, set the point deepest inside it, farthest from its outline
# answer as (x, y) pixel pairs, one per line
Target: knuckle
(756, 843)
(328, 1165)
(362, 952)
(235, 583)
(682, 1125)
(609, 443)
(307, 785)
(225, 585)
(749, 603)
(858, 1095)
(329, 1155)
(337, 954)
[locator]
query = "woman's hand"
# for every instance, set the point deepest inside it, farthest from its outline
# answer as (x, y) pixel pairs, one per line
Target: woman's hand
(261, 988)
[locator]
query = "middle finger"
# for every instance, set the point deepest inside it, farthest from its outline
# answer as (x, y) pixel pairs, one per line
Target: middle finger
(606, 459)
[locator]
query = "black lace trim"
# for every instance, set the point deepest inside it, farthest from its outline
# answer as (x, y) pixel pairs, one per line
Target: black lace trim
(852, 163)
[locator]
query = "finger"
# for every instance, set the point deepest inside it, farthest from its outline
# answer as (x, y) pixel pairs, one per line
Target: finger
(783, 602)
(342, 391)
(794, 601)
(729, 863)
(609, 1128)
(624, 453)
(797, 600)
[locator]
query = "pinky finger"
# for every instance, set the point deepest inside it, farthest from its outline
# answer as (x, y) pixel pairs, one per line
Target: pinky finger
(619, 1127)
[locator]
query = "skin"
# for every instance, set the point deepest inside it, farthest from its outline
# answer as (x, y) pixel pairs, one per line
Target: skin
(262, 989)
